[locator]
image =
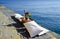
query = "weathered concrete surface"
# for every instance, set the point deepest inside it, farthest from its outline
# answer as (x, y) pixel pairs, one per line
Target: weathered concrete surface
(5, 31)
(11, 32)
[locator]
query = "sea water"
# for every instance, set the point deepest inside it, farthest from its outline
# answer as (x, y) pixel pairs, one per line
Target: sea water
(45, 12)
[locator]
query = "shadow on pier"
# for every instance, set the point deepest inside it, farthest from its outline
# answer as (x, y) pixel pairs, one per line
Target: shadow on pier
(19, 27)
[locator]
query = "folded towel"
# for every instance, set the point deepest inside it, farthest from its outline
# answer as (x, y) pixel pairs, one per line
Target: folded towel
(18, 16)
(35, 29)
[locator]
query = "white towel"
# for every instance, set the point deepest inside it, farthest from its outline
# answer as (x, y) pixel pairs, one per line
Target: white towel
(35, 29)
(18, 16)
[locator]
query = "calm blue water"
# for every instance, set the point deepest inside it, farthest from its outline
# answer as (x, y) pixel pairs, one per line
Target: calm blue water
(45, 13)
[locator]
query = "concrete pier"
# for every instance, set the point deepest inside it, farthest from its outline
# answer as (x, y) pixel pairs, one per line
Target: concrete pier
(8, 31)
(5, 31)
